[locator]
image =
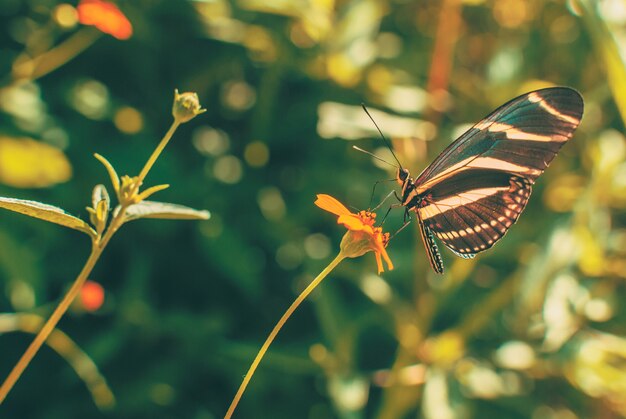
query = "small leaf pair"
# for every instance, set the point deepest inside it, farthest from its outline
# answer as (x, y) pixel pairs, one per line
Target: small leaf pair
(136, 205)
(126, 187)
(126, 190)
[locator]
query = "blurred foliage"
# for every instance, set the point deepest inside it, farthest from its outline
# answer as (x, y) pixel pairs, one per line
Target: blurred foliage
(531, 329)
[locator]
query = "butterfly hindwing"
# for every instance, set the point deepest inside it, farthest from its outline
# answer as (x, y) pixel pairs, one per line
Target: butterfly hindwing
(473, 220)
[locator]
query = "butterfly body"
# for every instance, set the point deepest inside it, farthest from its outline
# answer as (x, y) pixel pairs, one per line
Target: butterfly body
(471, 194)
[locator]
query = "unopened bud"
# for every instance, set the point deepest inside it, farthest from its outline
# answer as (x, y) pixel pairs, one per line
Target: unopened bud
(186, 106)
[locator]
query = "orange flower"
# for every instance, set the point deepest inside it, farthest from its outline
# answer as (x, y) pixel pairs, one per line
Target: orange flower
(106, 17)
(362, 235)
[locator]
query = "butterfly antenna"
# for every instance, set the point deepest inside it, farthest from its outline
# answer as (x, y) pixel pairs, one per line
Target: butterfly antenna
(369, 153)
(387, 143)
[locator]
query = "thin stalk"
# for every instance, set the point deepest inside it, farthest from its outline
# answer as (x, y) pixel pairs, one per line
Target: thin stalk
(97, 248)
(50, 324)
(270, 338)
(39, 66)
(157, 152)
(82, 364)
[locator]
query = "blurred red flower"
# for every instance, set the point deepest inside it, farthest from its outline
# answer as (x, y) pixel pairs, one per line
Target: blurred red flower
(91, 296)
(106, 17)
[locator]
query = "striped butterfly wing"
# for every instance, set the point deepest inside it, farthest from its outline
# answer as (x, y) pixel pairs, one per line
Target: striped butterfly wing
(477, 188)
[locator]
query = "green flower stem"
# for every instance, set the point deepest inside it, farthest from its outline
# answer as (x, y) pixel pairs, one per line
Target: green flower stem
(97, 248)
(156, 153)
(303, 295)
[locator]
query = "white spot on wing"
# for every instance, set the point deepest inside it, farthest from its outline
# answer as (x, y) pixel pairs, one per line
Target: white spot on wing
(497, 164)
(513, 133)
(451, 202)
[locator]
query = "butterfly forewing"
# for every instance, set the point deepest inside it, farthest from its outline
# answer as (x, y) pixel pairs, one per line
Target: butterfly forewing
(520, 137)
(477, 188)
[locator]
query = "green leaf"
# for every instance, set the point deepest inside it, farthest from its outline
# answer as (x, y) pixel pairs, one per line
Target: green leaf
(45, 212)
(115, 180)
(162, 210)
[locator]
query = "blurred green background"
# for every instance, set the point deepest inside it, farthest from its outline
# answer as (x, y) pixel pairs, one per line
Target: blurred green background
(533, 328)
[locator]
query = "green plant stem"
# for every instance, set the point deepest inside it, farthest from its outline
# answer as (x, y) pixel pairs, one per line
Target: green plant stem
(97, 248)
(83, 365)
(270, 338)
(156, 153)
(50, 324)
(39, 66)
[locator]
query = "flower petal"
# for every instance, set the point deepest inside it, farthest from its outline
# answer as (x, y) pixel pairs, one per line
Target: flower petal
(379, 263)
(352, 222)
(385, 256)
(330, 204)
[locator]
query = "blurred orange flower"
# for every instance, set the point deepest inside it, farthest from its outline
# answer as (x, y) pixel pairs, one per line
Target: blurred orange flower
(91, 296)
(106, 17)
(362, 235)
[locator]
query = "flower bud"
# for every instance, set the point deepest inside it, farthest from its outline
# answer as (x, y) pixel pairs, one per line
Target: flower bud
(355, 244)
(186, 106)
(127, 194)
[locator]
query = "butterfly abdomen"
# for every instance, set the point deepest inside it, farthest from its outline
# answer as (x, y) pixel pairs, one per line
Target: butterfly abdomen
(434, 256)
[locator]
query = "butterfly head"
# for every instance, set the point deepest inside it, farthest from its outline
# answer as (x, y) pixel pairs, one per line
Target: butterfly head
(403, 177)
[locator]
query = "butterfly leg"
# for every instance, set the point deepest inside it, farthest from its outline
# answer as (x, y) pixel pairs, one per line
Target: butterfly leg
(374, 190)
(406, 223)
(392, 206)
(383, 201)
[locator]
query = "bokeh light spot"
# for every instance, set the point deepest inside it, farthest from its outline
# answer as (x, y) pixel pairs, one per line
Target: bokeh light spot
(90, 98)
(598, 310)
(128, 120)
(271, 203)
(515, 355)
(22, 295)
(92, 296)
(376, 288)
(210, 141)
(162, 394)
(65, 15)
(238, 95)
(256, 154)
(228, 169)
(289, 256)
(317, 246)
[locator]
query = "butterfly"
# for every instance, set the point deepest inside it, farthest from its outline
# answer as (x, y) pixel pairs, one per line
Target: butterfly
(474, 191)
